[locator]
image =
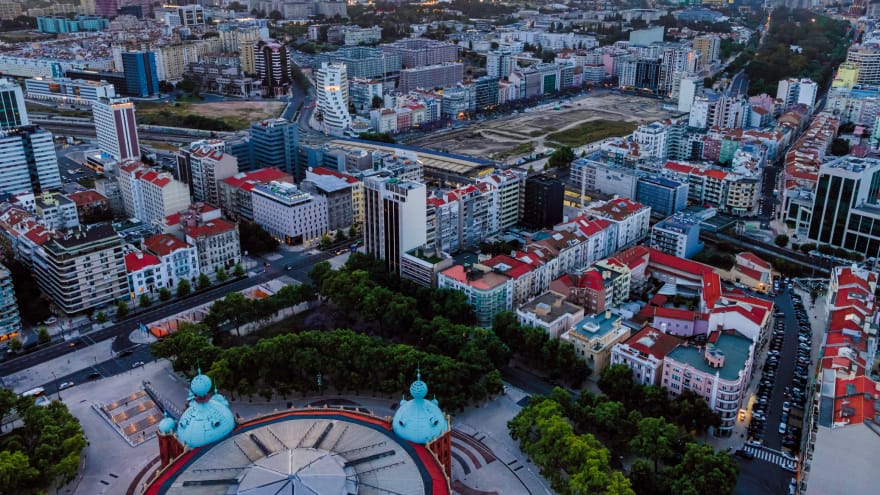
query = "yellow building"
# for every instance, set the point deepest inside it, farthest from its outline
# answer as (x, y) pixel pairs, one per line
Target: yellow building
(594, 336)
(847, 75)
(246, 54)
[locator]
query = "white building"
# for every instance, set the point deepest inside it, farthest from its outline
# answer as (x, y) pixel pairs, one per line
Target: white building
(179, 261)
(144, 274)
(643, 353)
(332, 87)
(207, 168)
(394, 218)
(56, 211)
(161, 195)
(797, 91)
(630, 220)
(288, 213)
(687, 91)
(28, 162)
(116, 128)
(68, 91)
(550, 312)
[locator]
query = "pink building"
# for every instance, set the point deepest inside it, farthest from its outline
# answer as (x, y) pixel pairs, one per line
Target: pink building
(719, 372)
(643, 353)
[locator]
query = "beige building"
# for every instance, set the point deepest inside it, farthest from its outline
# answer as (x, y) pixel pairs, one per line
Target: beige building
(593, 338)
(9, 10)
(550, 312)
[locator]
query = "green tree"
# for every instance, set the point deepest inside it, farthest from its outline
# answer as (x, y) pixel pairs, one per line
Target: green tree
(221, 274)
(255, 241)
(164, 294)
(183, 288)
(781, 240)
(352, 231)
(121, 310)
(377, 102)
(276, 15)
(14, 345)
(204, 282)
(703, 470)
(616, 382)
(326, 241)
(101, 317)
(654, 440)
(839, 147)
(190, 346)
(238, 271)
(319, 273)
(15, 471)
(43, 336)
(561, 158)
(145, 301)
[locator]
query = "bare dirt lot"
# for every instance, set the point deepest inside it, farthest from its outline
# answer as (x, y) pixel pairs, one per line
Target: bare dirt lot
(519, 134)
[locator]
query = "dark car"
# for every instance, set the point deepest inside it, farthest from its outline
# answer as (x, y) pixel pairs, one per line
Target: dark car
(126, 353)
(744, 454)
(93, 376)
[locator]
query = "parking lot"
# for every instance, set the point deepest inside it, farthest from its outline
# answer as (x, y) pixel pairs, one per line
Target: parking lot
(775, 411)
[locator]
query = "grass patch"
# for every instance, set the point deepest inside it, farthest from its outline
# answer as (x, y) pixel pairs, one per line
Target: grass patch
(520, 149)
(217, 116)
(589, 132)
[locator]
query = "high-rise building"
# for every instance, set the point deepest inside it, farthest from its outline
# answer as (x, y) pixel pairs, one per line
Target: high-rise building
(207, 168)
(82, 268)
(272, 65)
(10, 322)
(797, 92)
(867, 59)
(140, 73)
(332, 87)
(12, 109)
(289, 213)
(709, 47)
(28, 162)
(363, 61)
(116, 128)
(845, 210)
(541, 202)
(394, 218)
(687, 90)
(664, 196)
(499, 64)
(431, 76)
(275, 144)
(106, 8)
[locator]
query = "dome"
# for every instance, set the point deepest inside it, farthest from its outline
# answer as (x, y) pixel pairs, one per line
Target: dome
(166, 426)
(207, 418)
(419, 420)
(200, 386)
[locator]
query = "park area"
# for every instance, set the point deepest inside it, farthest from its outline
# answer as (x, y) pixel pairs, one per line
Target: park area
(573, 123)
(213, 116)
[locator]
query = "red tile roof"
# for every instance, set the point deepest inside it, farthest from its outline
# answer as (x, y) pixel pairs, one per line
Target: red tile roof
(210, 228)
(754, 314)
(592, 280)
(435, 202)
(38, 235)
(711, 288)
(675, 313)
(517, 268)
(653, 342)
(679, 167)
(658, 257)
(749, 272)
(163, 244)
(134, 262)
(618, 209)
(86, 197)
(752, 257)
(262, 175)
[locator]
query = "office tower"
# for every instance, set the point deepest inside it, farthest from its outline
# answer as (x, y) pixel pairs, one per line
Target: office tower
(394, 218)
(12, 109)
(116, 127)
(688, 89)
(332, 87)
(664, 196)
(845, 212)
(140, 73)
(419, 52)
(275, 143)
(499, 64)
(10, 322)
(272, 65)
(444, 75)
(541, 203)
(27, 161)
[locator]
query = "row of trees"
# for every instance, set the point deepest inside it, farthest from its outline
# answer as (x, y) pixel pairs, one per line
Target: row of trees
(668, 460)
(346, 361)
(235, 310)
(534, 346)
(45, 449)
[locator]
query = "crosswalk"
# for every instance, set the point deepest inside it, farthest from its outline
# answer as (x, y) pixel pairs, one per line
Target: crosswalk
(772, 456)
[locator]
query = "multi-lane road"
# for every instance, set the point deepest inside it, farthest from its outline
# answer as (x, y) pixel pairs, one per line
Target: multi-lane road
(299, 264)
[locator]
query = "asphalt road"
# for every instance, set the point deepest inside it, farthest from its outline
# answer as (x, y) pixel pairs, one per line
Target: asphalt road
(758, 477)
(300, 264)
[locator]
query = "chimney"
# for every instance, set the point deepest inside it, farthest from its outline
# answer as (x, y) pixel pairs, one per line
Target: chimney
(607, 314)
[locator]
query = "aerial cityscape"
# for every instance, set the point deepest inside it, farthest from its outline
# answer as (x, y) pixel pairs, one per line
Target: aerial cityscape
(611, 247)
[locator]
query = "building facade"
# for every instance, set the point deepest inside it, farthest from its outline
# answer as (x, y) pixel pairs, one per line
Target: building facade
(331, 82)
(12, 109)
(28, 162)
(116, 128)
(289, 213)
(394, 218)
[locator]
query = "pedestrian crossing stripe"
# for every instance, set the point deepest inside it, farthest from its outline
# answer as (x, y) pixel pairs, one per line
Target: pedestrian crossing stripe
(772, 457)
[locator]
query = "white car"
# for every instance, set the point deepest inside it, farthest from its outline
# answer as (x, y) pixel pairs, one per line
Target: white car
(782, 428)
(786, 406)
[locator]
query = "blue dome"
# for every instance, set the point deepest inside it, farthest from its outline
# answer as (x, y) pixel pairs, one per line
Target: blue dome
(200, 386)
(205, 422)
(419, 420)
(167, 425)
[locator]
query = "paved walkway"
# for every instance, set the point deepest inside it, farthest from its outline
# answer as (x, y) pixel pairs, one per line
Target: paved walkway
(47, 371)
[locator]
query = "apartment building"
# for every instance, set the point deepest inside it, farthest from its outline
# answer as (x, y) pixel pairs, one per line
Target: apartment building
(445, 75)
(177, 259)
(331, 81)
(394, 217)
(144, 274)
(678, 235)
(593, 338)
(116, 128)
(236, 192)
(150, 195)
(420, 52)
(82, 268)
(719, 372)
(215, 239)
(644, 353)
(629, 219)
(356, 191)
(208, 167)
(550, 312)
(486, 291)
(10, 321)
(55, 211)
(28, 162)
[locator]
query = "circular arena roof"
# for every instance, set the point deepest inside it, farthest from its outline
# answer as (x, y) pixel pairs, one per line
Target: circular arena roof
(312, 451)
